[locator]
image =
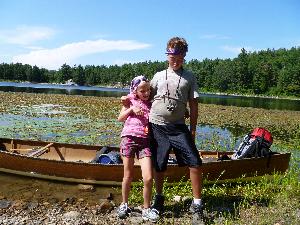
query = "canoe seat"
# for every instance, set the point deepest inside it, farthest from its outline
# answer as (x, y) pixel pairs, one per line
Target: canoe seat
(36, 152)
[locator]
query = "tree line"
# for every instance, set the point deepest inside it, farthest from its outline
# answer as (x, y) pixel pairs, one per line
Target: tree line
(266, 72)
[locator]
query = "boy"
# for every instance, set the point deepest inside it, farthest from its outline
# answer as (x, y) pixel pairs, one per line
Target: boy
(172, 89)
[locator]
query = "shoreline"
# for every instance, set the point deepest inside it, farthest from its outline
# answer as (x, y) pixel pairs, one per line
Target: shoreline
(74, 209)
(250, 96)
(125, 87)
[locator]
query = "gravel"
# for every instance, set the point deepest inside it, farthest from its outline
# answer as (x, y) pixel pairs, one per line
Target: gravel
(75, 212)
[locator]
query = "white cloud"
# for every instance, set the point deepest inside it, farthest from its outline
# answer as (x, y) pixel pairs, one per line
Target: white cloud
(55, 58)
(25, 35)
(34, 48)
(236, 50)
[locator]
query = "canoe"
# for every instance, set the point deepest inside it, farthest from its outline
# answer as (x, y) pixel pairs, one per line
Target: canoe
(74, 163)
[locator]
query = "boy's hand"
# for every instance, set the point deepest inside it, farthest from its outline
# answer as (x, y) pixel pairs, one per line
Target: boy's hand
(125, 101)
(187, 113)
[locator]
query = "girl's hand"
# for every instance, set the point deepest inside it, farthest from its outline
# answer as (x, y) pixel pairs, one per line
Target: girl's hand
(137, 110)
(125, 101)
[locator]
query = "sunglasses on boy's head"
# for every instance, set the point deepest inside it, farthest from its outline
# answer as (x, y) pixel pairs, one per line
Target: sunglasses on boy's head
(176, 51)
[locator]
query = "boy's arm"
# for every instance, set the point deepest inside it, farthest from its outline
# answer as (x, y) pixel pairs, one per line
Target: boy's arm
(193, 104)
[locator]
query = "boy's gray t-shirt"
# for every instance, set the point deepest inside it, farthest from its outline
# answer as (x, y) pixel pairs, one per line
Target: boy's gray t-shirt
(182, 86)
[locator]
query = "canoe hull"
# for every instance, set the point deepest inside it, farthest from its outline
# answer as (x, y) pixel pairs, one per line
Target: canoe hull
(70, 162)
(232, 169)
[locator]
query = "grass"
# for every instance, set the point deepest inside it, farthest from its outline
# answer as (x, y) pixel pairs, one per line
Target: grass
(92, 120)
(272, 199)
(266, 200)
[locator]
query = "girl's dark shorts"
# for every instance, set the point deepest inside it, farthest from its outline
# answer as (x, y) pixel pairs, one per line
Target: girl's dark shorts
(177, 137)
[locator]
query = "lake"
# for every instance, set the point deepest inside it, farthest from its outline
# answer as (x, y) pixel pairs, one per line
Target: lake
(240, 101)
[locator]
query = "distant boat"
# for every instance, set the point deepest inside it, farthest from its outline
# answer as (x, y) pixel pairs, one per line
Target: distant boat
(76, 163)
(70, 83)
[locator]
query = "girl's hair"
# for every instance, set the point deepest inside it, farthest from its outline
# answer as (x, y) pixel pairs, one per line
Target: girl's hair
(177, 46)
(136, 81)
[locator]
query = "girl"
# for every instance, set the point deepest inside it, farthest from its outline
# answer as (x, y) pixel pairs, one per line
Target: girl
(135, 142)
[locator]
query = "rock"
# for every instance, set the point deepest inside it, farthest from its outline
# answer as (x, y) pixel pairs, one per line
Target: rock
(18, 204)
(298, 214)
(71, 200)
(80, 200)
(85, 187)
(5, 204)
(197, 220)
(105, 207)
(72, 215)
(46, 204)
(32, 205)
(53, 201)
(136, 220)
(110, 196)
(177, 198)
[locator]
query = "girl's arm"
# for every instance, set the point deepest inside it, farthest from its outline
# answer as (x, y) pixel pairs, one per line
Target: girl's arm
(125, 112)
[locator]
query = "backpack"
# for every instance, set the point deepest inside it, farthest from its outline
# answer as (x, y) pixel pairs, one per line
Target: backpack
(106, 156)
(103, 150)
(3, 148)
(110, 158)
(255, 144)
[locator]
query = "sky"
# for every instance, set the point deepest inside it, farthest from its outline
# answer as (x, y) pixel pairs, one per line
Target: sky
(49, 33)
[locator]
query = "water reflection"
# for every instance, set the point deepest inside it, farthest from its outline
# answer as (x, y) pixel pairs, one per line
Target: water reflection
(255, 102)
(62, 89)
(240, 101)
(217, 138)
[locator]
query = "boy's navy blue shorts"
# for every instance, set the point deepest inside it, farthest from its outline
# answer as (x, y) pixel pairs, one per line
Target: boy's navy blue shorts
(177, 137)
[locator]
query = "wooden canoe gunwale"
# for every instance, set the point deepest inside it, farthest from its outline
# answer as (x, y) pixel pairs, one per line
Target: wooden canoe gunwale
(62, 169)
